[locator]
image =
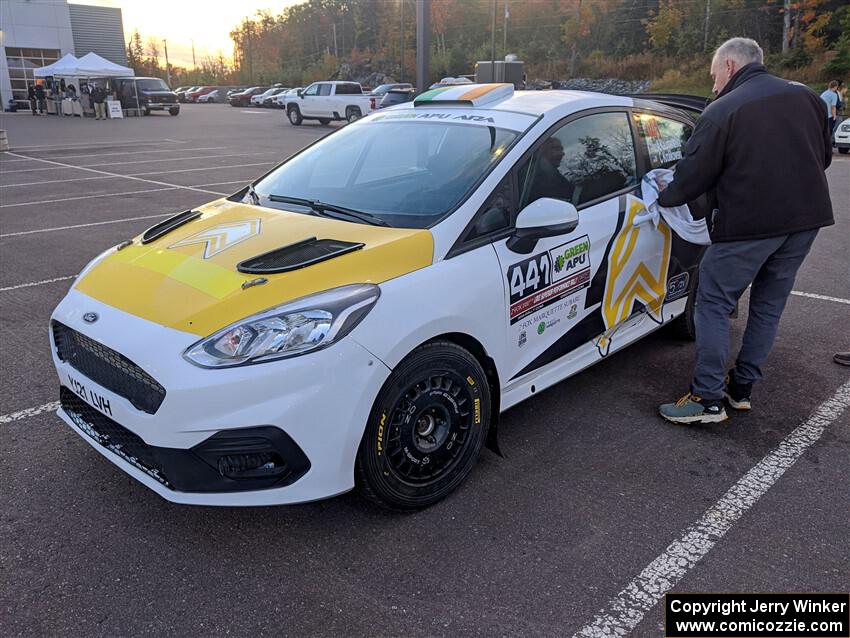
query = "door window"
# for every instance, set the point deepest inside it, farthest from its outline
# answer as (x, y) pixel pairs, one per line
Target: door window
(313, 89)
(584, 160)
(324, 89)
(665, 138)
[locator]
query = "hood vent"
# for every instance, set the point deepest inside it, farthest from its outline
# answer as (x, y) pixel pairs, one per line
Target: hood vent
(164, 227)
(298, 255)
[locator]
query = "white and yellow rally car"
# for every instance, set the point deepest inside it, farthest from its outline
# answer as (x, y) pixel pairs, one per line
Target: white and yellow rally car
(363, 313)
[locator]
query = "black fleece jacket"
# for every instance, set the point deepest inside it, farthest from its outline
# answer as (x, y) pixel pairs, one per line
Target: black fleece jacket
(759, 150)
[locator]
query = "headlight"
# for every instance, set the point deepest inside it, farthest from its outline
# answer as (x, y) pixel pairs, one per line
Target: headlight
(298, 327)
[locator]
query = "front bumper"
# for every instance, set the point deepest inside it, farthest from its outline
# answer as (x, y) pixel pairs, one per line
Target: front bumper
(319, 404)
(162, 106)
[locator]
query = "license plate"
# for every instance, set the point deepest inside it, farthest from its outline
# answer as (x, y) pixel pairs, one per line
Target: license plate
(88, 395)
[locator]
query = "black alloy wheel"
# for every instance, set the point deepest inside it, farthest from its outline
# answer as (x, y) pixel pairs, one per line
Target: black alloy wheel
(426, 430)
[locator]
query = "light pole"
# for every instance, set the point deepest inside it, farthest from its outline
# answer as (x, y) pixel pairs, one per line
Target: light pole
(423, 44)
(167, 66)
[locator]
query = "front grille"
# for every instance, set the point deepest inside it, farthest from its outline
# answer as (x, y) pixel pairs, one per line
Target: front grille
(108, 368)
(108, 434)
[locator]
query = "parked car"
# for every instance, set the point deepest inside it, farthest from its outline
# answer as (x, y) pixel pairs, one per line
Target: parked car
(257, 100)
(179, 92)
(362, 314)
(153, 94)
(450, 81)
(243, 98)
(269, 96)
(842, 137)
(326, 101)
(396, 96)
(279, 100)
(192, 96)
(210, 97)
(382, 89)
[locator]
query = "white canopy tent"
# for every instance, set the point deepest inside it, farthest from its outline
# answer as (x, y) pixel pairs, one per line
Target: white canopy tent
(90, 66)
(64, 67)
(93, 66)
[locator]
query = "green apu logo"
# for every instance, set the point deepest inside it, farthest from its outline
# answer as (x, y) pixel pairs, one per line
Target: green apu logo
(572, 257)
(541, 327)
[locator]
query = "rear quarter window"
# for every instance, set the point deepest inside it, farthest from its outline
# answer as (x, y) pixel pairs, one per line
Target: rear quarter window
(665, 138)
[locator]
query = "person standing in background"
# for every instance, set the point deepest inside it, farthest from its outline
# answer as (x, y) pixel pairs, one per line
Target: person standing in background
(830, 98)
(31, 98)
(98, 96)
(41, 97)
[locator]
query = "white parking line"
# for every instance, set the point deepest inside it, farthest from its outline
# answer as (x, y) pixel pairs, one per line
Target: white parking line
(37, 283)
(627, 609)
(71, 199)
(139, 179)
(23, 414)
(811, 295)
(85, 166)
(111, 221)
(50, 147)
(177, 159)
(166, 150)
(182, 170)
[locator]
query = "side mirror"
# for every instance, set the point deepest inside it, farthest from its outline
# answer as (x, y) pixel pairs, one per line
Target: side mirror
(544, 217)
(301, 93)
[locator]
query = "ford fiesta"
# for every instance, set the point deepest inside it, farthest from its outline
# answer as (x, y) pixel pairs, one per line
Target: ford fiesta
(362, 314)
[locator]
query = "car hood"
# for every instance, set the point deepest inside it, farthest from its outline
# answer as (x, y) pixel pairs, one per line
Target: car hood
(188, 280)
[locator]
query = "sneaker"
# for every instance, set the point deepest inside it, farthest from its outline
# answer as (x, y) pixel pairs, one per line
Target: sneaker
(692, 409)
(738, 394)
(842, 358)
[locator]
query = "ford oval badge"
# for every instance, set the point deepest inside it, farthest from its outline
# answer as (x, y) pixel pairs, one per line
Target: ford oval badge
(90, 317)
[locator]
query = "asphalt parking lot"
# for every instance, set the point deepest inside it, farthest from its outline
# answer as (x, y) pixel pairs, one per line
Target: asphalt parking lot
(596, 509)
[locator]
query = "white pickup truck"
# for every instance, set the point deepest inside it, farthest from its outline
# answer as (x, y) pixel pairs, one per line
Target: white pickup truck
(326, 101)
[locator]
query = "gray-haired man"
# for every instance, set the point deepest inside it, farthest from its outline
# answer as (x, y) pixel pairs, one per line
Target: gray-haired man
(760, 151)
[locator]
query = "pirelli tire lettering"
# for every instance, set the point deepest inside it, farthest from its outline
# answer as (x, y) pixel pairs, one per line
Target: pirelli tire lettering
(427, 428)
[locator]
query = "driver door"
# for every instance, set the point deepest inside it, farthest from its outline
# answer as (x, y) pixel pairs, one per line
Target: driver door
(582, 286)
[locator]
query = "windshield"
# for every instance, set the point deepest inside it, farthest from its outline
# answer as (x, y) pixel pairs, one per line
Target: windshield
(409, 185)
(153, 85)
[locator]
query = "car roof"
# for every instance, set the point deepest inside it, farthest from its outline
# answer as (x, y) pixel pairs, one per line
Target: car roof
(503, 97)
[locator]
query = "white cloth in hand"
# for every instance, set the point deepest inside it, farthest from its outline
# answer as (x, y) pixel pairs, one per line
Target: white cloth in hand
(678, 218)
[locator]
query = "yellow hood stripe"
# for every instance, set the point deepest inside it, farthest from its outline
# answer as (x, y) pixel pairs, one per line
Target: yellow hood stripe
(175, 286)
(206, 277)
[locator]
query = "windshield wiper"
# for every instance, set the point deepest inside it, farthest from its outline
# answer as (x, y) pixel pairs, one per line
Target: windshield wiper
(329, 210)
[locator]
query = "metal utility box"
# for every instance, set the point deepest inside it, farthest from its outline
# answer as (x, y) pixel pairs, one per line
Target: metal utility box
(512, 71)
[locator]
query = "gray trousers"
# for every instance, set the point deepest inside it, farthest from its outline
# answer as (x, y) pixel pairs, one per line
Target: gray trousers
(727, 268)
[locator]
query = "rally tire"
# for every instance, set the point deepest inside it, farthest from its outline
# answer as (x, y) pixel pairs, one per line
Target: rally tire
(294, 115)
(844, 151)
(174, 111)
(685, 324)
(352, 114)
(324, 121)
(426, 429)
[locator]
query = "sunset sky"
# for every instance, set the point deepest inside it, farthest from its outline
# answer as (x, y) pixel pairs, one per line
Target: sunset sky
(208, 22)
